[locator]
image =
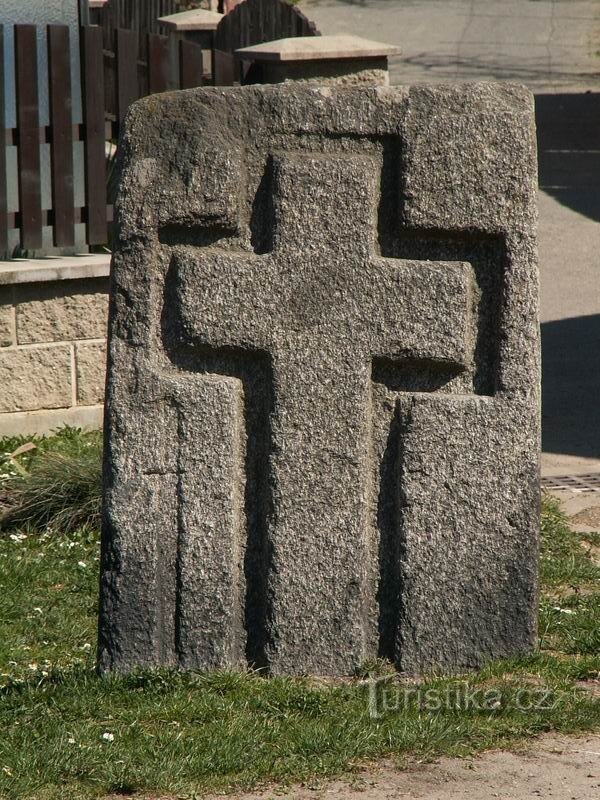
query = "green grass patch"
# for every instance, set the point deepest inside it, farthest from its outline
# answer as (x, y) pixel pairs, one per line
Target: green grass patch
(570, 604)
(68, 733)
(51, 482)
(565, 555)
(48, 603)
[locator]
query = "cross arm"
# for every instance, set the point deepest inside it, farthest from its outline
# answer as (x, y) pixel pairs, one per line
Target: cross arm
(421, 310)
(223, 299)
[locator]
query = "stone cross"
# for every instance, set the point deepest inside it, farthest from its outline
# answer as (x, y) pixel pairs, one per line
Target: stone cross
(320, 307)
(308, 499)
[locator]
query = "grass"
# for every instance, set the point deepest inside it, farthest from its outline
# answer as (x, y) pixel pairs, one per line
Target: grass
(570, 605)
(68, 734)
(51, 481)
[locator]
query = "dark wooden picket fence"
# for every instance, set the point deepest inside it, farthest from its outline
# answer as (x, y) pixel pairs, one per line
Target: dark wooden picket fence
(104, 105)
(146, 64)
(135, 15)
(123, 59)
(61, 134)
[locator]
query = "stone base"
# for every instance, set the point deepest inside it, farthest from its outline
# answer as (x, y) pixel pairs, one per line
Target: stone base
(28, 423)
(345, 72)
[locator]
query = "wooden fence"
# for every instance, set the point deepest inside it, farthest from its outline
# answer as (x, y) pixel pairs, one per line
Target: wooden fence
(135, 15)
(103, 111)
(60, 134)
(122, 60)
(249, 23)
(143, 64)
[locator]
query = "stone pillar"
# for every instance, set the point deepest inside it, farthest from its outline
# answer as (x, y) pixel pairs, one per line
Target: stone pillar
(197, 25)
(346, 60)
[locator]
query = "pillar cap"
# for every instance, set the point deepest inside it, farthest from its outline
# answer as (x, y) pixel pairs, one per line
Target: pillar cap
(316, 48)
(198, 19)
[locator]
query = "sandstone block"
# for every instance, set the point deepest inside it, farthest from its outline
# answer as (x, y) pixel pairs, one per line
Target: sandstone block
(6, 318)
(62, 311)
(34, 378)
(90, 361)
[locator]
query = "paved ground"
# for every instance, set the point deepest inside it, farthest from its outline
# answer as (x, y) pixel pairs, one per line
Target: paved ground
(554, 47)
(569, 232)
(583, 510)
(548, 44)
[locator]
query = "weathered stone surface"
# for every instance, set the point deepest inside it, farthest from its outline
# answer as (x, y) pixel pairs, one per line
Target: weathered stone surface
(61, 311)
(90, 366)
(6, 317)
(33, 378)
(476, 580)
(322, 412)
(373, 72)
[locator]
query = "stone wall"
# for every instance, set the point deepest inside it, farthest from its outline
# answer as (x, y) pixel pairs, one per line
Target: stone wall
(52, 352)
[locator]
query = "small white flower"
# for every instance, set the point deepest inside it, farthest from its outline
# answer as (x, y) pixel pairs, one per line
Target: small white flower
(87, 647)
(71, 740)
(108, 737)
(563, 610)
(33, 666)
(81, 564)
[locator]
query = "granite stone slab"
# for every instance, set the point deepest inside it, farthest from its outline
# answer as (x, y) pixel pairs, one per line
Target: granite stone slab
(322, 419)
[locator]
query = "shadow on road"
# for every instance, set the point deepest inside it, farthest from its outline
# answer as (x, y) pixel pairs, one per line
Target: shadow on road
(568, 128)
(568, 133)
(571, 386)
(486, 66)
